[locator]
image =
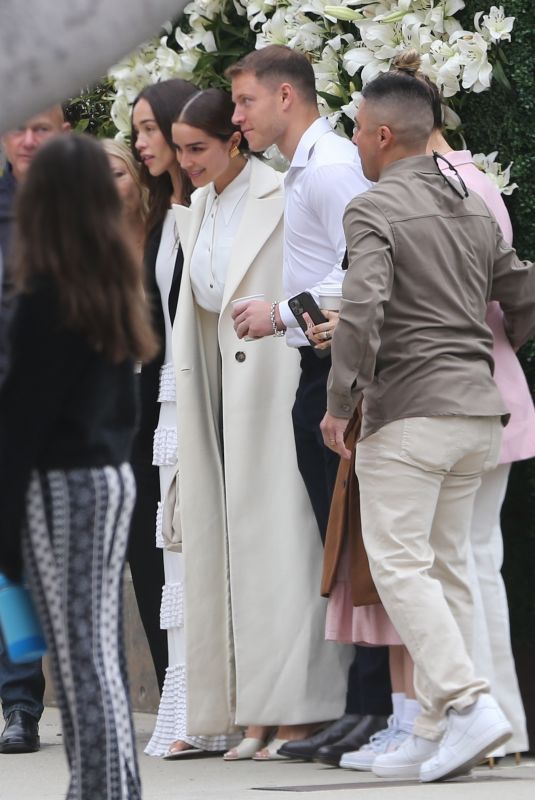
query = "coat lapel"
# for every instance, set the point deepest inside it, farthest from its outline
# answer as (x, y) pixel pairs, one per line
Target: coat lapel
(188, 223)
(263, 211)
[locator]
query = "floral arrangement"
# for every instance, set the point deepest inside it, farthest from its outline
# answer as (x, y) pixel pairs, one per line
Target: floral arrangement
(349, 42)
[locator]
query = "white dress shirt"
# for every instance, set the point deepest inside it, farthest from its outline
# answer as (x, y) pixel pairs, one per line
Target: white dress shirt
(211, 255)
(325, 174)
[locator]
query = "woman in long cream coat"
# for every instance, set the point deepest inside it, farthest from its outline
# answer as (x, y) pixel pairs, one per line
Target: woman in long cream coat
(255, 649)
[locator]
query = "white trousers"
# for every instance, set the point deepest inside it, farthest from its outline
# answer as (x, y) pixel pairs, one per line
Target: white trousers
(418, 480)
(492, 652)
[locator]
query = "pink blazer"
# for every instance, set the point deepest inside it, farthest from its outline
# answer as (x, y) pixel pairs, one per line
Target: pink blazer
(519, 435)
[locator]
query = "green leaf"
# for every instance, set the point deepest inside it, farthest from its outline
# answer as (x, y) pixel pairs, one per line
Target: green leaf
(499, 75)
(332, 99)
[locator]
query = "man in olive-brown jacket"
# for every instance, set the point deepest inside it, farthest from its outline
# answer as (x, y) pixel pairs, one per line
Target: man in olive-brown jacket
(425, 258)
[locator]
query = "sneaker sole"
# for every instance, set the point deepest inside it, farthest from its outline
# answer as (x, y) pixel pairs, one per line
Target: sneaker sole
(349, 764)
(500, 736)
(409, 771)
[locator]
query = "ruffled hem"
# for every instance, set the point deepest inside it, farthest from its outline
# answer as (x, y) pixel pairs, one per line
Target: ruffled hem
(159, 534)
(171, 720)
(167, 390)
(164, 451)
(172, 607)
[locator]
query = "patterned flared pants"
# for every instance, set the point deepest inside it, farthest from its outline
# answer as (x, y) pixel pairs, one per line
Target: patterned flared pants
(75, 540)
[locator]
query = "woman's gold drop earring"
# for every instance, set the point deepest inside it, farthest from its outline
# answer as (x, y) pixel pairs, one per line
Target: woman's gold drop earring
(234, 151)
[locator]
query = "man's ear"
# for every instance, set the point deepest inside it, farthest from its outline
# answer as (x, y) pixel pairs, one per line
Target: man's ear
(385, 136)
(286, 94)
(66, 126)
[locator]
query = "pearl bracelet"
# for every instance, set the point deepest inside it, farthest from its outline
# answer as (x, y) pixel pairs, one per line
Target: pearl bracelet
(274, 321)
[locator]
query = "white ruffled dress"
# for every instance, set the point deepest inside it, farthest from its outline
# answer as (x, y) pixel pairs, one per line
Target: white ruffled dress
(171, 720)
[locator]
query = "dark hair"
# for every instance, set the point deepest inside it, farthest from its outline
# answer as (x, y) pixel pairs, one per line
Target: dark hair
(211, 111)
(69, 233)
(412, 95)
(409, 63)
(276, 63)
(166, 100)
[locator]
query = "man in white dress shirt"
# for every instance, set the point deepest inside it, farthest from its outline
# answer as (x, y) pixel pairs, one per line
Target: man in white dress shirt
(275, 96)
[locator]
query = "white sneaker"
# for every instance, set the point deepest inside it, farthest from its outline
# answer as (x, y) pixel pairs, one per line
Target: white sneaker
(469, 736)
(405, 762)
(384, 741)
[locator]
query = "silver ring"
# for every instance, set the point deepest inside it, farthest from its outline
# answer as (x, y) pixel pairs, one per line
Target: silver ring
(326, 335)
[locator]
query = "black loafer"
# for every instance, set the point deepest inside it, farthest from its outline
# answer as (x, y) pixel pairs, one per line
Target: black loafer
(306, 749)
(368, 725)
(21, 734)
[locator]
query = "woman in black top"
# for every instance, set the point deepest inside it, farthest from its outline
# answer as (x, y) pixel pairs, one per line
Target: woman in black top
(67, 417)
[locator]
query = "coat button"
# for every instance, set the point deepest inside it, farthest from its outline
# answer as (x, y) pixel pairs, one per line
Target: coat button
(346, 407)
(240, 356)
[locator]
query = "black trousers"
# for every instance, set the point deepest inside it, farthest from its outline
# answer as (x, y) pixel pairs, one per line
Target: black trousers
(369, 690)
(146, 564)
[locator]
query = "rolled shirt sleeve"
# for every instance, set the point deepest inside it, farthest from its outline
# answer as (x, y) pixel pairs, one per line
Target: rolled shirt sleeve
(327, 192)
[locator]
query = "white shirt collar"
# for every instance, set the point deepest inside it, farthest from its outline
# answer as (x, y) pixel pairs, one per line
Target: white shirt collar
(307, 141)
(231, 195)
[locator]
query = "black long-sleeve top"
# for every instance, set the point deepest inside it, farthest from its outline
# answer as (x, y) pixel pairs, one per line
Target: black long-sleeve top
(63, 406)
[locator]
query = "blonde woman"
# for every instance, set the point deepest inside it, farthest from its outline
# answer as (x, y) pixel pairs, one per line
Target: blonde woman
(134, 196)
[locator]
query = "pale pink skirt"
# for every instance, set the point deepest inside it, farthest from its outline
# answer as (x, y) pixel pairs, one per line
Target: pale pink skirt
(348, 624)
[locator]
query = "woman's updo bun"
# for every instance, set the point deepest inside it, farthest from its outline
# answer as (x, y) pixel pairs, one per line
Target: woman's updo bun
(408, 61)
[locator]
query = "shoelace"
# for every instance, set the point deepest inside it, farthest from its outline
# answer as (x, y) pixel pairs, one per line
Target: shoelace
(378, 740)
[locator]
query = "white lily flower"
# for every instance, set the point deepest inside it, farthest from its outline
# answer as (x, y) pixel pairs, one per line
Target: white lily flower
(307, 37)
(188, 41)
(493, 170)
(442, 64)
(209, 9)
(274, 31)
(257, 11)
(495, 26)
(239, 8)
(356, 58)
(120, 114)
(477, 71)
(350, 109)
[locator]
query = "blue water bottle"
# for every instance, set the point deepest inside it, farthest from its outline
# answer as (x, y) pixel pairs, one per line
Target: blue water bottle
(21, 630)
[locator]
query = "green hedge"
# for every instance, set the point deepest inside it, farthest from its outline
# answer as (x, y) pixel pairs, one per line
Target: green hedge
(504, 120)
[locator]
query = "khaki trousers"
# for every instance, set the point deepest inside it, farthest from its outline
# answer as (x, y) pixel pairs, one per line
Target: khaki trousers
(492, 653)
(418, 479)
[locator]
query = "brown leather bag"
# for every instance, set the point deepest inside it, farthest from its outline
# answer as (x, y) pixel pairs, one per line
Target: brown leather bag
(344, 520)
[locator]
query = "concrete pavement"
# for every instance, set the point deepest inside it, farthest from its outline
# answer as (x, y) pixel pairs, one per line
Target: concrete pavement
(43, 776)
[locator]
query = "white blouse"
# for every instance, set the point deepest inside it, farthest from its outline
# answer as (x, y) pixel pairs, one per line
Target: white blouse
(211, 254)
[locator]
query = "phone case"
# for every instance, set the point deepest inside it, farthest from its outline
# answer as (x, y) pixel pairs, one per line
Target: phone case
(305, 303)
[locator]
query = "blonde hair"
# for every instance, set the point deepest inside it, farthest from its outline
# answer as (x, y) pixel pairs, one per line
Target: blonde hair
(408, 61)
(124, 154)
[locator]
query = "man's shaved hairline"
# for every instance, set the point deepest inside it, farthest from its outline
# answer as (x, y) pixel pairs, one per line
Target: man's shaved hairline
(410, 120)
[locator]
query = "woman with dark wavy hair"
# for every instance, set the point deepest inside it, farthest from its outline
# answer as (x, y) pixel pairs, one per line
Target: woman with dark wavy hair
(67, 418)
(155, 449)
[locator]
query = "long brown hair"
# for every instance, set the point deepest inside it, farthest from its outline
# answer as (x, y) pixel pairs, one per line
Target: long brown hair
(69, 232)
(166, 100)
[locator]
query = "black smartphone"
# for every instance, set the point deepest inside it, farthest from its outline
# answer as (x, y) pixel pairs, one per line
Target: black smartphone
(304, 303)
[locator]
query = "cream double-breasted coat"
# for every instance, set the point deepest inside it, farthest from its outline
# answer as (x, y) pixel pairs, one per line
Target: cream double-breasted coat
(254, 618)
